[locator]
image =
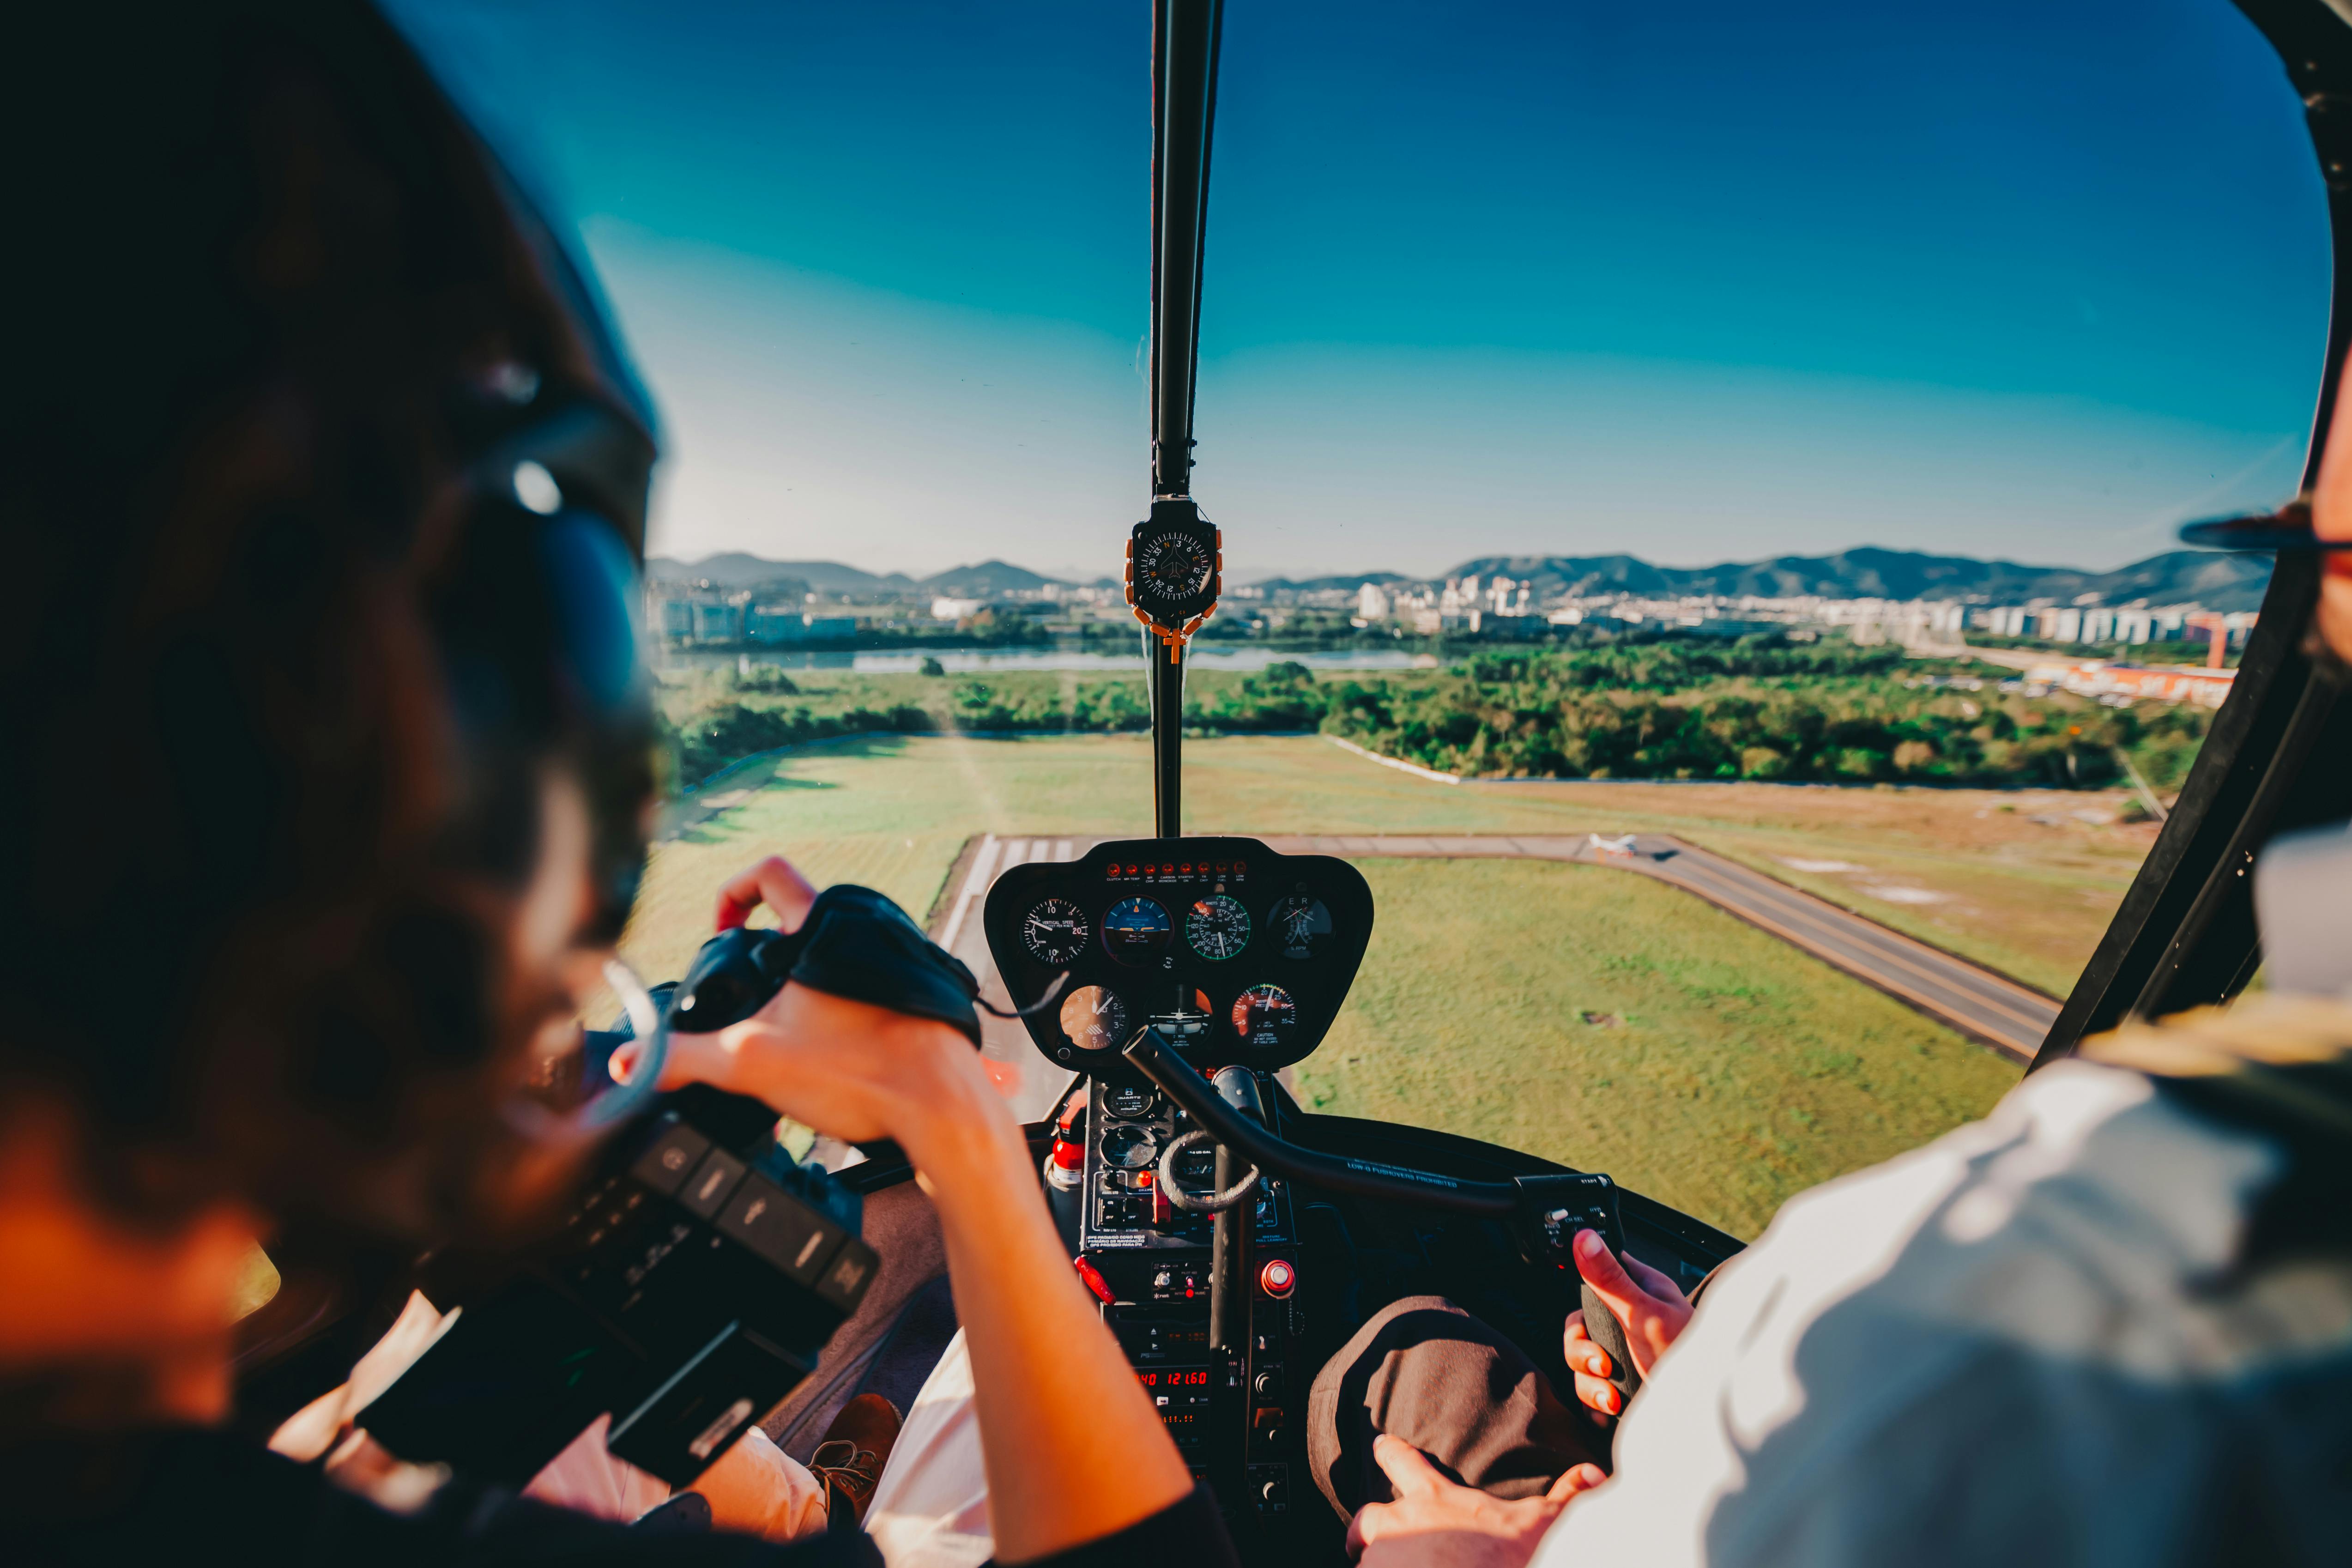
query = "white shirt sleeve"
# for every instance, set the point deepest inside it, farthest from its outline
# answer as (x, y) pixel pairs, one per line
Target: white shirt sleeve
(1994, 1350)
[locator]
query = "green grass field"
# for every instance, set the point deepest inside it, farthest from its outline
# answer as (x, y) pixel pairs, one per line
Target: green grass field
(1738, 1071)
(1615, 1024)
(2014, 880)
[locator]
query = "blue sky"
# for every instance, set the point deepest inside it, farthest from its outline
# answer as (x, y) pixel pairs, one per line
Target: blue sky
(1709, 281)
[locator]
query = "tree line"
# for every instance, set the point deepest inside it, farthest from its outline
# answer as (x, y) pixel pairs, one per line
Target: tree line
(1761, 708)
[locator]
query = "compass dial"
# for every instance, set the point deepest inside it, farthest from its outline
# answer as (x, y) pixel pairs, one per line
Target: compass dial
(1217, 927)
(1173, 566)
(1135, 930)
(1055, 932)
(1094, 1019)
(1264, 1015)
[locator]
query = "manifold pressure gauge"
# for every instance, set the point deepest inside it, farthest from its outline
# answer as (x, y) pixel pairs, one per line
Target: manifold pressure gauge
(1174, 567)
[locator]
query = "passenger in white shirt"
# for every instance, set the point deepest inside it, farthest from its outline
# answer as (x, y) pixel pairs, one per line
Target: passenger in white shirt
(2110, 1323)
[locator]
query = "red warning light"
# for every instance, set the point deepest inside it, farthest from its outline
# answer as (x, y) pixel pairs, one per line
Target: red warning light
(1241, 865)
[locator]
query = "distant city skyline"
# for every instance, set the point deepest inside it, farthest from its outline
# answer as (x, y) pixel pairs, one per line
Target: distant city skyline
(2033, 281)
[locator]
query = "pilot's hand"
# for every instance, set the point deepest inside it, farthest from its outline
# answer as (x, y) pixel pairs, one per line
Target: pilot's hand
(1651, 1306)
(774, 882)
(849, 1070)
(1434, 1520)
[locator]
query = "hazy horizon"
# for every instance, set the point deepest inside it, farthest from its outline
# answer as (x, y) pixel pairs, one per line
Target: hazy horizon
(1370, 572)
(2031, 281)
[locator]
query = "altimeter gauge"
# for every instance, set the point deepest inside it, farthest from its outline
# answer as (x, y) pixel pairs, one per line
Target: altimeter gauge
(1055, 932)
(1217, 927)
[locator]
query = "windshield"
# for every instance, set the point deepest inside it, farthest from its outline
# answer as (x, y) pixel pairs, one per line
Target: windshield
(1698, 492)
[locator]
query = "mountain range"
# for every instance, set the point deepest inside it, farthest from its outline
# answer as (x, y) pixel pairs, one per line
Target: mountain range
(2177, 577)
(736, 570)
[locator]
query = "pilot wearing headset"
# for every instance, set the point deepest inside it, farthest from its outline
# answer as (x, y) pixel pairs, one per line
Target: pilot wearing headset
(327, 781)
(2112, 1322)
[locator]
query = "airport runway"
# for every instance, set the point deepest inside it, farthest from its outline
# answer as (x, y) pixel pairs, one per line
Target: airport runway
(1986, 1006)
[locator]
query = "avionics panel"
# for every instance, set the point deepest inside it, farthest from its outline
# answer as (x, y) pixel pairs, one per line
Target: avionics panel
(1236, 953)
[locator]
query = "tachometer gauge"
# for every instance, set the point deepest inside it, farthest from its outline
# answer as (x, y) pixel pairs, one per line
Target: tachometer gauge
(1217, 927)
(1299, 926)
(1264, 1015)
(1095, 1019)
(1172, 565)
(1137, 931)
(1055, 932)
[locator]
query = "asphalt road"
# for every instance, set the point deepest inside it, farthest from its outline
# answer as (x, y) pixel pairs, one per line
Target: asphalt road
(1985, 1005)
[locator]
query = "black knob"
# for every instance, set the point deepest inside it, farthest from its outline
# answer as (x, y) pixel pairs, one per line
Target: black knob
(1267, 1384)
(1270, 1491)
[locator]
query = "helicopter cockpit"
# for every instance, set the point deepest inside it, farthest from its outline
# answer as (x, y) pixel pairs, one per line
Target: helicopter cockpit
(1160, 994)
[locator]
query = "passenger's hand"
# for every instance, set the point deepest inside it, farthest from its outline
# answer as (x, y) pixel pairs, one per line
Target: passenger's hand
(773, 882)
(1651, 1306)
(1434, 1520)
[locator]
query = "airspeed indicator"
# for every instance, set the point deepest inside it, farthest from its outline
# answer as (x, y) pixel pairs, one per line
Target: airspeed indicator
(1217, 927)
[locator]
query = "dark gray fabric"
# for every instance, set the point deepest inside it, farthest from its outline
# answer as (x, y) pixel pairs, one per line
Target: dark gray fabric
(1424, 1370)
(921, 1338)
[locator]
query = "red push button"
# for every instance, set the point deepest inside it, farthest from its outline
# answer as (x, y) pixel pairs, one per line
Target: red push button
(1277, 1278)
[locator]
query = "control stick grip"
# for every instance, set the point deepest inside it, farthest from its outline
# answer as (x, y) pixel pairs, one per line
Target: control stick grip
(1600, 1325)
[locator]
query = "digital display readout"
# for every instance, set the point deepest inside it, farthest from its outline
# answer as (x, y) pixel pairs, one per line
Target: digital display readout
(1173, 1379)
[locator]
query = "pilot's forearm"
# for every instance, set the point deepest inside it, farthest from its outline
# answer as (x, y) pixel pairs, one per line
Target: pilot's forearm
(1072, 1448)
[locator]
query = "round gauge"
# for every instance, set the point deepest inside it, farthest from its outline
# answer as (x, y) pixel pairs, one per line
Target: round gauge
(1299, 926)
(1264, 1015)
(1174, 566)
(1135, 930)
(1095, 1019)
(1189, 1019)
(1128, 1148)
(1127, 1100)
(1217, 927)
(1055, 932)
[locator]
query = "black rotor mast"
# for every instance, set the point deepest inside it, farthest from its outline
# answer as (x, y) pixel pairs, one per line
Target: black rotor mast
(1173, 562)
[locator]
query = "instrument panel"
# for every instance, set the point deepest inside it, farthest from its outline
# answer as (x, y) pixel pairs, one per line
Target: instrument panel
(1236, 954)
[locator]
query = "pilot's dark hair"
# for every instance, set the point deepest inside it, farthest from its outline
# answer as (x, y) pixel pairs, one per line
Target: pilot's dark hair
(269, 291)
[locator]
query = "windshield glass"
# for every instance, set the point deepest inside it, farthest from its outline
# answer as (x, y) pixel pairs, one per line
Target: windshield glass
(1699, 493)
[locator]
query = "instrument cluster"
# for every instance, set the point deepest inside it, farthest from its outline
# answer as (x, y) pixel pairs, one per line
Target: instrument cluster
(1236, 954)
